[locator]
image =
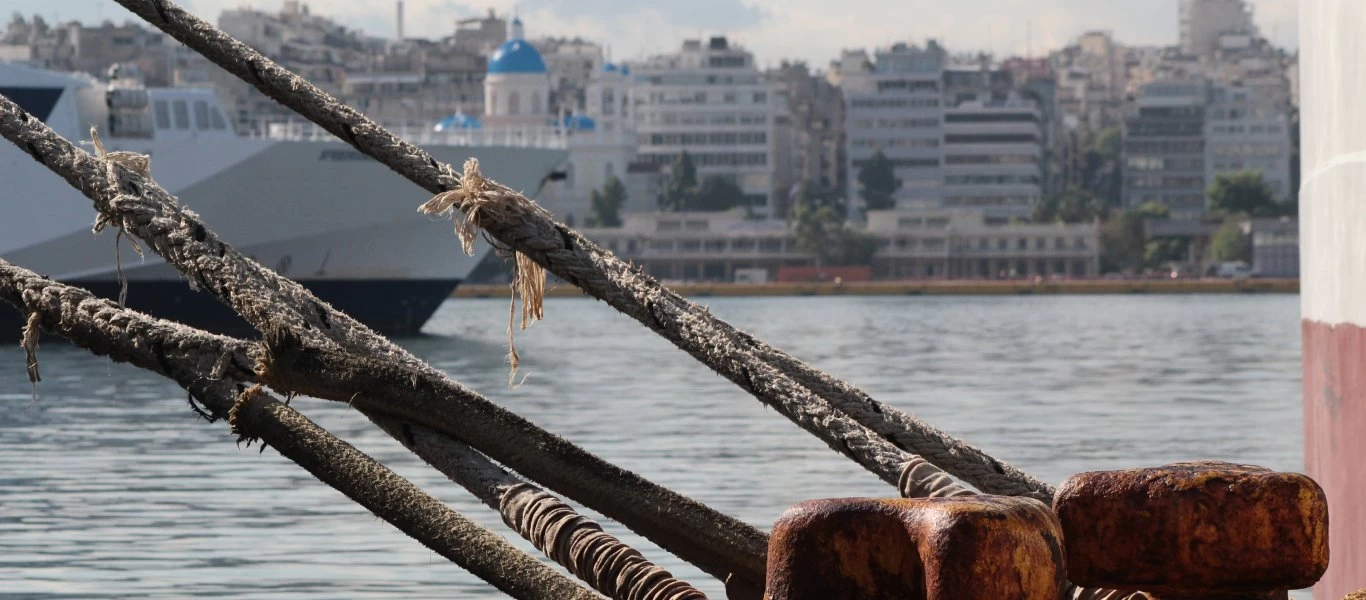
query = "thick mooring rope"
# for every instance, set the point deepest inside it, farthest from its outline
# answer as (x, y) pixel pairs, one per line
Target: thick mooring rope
(578, 261)
(719, 544)
(590, 553)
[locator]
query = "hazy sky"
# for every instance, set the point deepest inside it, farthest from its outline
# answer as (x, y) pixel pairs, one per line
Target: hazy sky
(812, 30)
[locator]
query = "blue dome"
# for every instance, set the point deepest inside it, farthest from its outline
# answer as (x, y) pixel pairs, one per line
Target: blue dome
(516, 56)
(609, 67)
(578, 123)
(457, 121)
(625, 70)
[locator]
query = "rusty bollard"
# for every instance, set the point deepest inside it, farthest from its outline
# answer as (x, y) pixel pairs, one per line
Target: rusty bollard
(962, 548)
(1194, 530)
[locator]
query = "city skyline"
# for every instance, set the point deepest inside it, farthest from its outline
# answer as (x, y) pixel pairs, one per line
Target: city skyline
(808, 30)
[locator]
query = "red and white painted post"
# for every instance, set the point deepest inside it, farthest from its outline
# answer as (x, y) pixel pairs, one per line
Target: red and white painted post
(1333, 273)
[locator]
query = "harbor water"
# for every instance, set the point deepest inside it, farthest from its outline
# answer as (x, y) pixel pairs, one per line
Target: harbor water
(110, 488)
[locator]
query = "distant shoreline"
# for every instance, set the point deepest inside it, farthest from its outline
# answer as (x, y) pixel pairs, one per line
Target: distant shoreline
(941, 288)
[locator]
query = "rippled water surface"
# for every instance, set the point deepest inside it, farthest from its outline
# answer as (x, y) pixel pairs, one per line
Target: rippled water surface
(109, 487)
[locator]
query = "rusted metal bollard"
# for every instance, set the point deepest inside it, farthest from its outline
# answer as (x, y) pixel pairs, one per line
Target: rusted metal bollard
(1194, 530)
(961, 548)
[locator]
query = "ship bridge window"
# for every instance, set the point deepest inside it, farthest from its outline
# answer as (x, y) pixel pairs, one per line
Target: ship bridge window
(163, 114)
(34, 100)
(218, 122)
(182, 114)
(201, 115)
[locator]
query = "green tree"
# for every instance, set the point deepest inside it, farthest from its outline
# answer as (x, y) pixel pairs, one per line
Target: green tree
(822, 232)
(604, 207)
(1230, 243)
(1123, 242)
(1045, 210)
(718, 193)
(1079, 205)
(681, 187)
(1243, 193)
(878, 183)
(1108, 143)
(1076, 205)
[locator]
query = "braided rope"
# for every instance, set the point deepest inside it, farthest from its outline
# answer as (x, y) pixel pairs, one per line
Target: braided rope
(591, 554)
(574, 258)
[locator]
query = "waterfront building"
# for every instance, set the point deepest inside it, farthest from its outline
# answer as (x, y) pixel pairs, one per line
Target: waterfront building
(1164, 148)
(956, 244)
(1275, 247)
(710, 100)
(894, 104)
(937, 244)
(810, 129)
(993, 155)
(1246, 131)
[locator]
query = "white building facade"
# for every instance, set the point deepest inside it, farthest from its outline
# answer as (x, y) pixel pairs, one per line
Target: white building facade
(709, 100)
(895, 104)
(993, 156)
(1245, 132)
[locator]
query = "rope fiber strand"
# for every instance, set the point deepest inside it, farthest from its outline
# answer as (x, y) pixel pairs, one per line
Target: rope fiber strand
(575, 259)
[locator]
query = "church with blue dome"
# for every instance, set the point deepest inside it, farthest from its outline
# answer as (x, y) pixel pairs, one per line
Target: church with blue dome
(517, 87)
(599, 133)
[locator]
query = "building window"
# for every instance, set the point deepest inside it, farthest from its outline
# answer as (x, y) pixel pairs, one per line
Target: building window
(201, 115)
(1022, 244)
(536, 103)
(181, 110)
(1040, 244)
(493, 103)
(163, 114)
(609, 171)
(514, 104)
(218, 122)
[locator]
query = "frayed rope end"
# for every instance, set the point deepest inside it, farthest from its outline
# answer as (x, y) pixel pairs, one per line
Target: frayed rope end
(29, 341)
(477, 193)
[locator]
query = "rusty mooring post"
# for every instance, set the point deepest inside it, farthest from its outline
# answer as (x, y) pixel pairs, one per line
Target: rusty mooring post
(1194, 530)
(961, 548)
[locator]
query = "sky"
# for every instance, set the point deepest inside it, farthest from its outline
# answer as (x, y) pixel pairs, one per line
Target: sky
(810, 30)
